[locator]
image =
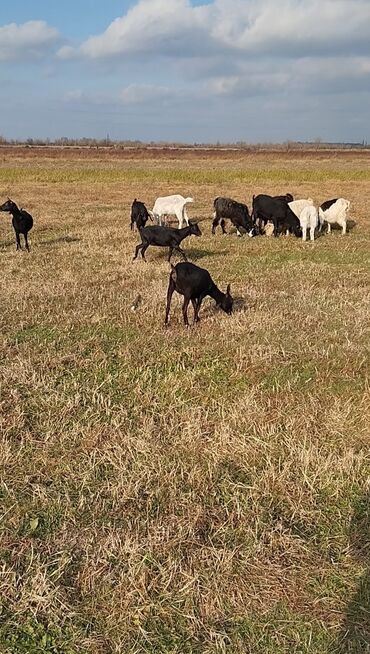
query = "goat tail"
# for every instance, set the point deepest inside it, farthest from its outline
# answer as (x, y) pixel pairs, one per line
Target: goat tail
(188, 200)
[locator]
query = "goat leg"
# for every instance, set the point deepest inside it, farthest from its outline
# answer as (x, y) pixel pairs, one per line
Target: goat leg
(185, 310)
(170, 290)
(143, 250)
(196, 305)
(181, 252)
(214, 225)
(137, 250)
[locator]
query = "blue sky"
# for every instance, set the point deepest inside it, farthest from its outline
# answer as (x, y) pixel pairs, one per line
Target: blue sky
(222, 70)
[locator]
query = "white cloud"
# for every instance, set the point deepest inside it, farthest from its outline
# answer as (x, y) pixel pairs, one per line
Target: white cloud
(29, 40)
(144, 93)
(304, 75)
(292, 27)
(133, 94)
(150, 26)
(74, 96)
(257, 27)
(66, 52)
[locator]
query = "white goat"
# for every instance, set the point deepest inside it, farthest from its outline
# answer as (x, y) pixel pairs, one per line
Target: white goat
(309, 219)
(297, 206)
(169, 205)
(335, 212)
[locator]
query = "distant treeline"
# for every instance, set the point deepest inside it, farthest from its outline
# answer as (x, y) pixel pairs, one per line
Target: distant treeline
(85, 142)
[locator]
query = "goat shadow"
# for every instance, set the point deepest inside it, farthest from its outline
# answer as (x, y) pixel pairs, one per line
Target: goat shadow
(195, 254)
(354, 637)
(351, 224)
(191, 255)
(241, 304)
(7, 244)
(209, 307)
(61, 239)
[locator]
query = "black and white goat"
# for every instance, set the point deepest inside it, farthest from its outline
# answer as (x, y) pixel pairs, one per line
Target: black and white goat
(22, 222)
(194, 284)
(165, 237)
(335, 212)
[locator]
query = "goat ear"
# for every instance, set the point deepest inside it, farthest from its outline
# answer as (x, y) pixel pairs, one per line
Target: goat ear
(228, 290)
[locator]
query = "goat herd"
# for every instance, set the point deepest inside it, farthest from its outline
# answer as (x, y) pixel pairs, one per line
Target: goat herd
(194, 283)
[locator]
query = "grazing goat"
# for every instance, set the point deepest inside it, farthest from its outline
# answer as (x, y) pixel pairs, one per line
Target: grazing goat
(22, 221)
(309, 219)
(286, 198)
(308, 216)
(194, 284)
(266, 208)
(297, 206)
(236, 212)
(335, 212)
(169, 205)
(327, 204)
(139, 214)
(165, 237)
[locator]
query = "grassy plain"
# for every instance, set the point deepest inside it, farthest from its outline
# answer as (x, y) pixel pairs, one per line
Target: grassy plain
(182, 491)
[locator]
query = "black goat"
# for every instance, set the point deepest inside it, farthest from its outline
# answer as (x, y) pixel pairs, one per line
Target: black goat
(266, 208)
(286, 198)
(139, 214)
(236, 212)
(22, 221)
(165, 237)
(194, 284)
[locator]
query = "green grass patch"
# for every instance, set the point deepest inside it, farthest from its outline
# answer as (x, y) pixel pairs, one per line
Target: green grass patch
(178, 175)
(32, 638)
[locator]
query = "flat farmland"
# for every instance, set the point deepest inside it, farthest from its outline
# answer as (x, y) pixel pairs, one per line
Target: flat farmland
(166, 490)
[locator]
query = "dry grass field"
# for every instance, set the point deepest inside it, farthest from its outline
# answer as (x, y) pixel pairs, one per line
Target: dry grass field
(171, 490)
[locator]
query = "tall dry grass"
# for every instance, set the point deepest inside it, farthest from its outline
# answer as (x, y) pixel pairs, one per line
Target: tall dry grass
(171, 490)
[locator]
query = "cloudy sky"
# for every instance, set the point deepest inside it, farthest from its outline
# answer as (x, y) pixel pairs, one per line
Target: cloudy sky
(186, 70)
